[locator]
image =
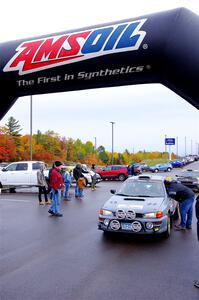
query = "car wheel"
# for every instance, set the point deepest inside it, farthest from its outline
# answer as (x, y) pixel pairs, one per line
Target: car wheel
(167, 233)
(121, 177)
(169, 169)
(12, 190)
(156, 170)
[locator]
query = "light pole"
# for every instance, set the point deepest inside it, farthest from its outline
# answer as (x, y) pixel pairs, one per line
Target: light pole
(112, 123)
(95, 142)
(31, 127)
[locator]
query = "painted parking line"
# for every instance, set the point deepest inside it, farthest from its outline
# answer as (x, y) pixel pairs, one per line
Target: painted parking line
(14, 200)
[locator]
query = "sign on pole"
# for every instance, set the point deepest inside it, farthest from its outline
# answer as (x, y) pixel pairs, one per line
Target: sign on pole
(169, 141)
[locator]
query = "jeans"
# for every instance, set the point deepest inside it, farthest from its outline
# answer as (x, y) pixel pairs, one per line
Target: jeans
(81, 193)
(76, 190)
(67, 186)
(55, 207)
(186, 212)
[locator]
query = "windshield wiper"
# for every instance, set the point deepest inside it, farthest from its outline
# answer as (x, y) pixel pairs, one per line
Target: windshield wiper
(118, 194)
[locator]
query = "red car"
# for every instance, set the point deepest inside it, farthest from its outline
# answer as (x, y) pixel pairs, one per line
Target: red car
(113, 172)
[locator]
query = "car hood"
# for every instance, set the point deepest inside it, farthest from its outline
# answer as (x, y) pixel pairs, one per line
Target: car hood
(138, 204)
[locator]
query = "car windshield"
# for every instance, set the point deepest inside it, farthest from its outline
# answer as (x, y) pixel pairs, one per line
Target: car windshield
(190, 174)
(141, 189)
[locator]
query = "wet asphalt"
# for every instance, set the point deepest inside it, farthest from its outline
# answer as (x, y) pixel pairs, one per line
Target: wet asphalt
(68, 258)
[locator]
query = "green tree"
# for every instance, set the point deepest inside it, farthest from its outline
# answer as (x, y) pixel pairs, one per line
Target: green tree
(13, 127)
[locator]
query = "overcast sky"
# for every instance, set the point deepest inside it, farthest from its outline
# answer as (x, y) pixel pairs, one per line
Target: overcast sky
(143, 114)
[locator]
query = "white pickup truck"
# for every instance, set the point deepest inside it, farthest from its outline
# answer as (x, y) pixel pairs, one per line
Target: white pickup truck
(20, 174)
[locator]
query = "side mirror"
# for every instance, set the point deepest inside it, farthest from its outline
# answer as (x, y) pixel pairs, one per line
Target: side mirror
(176, 175)
(3, 169)
(113, 191)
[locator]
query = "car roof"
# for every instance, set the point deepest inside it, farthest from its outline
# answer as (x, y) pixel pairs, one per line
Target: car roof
(149, 177)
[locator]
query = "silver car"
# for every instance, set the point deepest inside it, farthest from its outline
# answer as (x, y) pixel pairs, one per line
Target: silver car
(141, 206)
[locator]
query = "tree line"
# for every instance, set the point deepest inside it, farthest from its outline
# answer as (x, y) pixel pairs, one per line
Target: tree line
(50, 146)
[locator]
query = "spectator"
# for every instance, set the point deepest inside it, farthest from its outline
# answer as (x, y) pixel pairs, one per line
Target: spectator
(185, 196)
(67, 182)
(77, 173)
(56, 184)
(81, 186)
(42, 185)
(94, 178)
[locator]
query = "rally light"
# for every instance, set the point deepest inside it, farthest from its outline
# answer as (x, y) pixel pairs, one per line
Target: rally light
(104, 212)
(106, 222)
(157, 215)
(149, 225)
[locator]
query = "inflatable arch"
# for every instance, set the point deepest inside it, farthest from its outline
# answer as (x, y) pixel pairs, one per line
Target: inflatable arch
(156, 48)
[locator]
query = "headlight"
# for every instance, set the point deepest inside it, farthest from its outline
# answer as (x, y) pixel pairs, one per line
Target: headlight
(105, 212)
(158, 214)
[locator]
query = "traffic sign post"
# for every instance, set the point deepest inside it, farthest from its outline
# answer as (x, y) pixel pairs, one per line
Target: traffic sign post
(169, 141)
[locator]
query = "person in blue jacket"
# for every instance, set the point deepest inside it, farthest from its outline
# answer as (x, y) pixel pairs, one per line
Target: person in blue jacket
(67, 183)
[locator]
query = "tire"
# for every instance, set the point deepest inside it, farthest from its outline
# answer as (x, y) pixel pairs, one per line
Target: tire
(121, 177)
(169, 170)
(156, 170)
(12, 190)
(167, 233)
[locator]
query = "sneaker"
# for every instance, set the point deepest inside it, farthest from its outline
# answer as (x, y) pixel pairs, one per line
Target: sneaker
(196, 283)
(179, 227)
(41, 203)
(189, 227)
(51, 212)
(48, 202)
(58, 215)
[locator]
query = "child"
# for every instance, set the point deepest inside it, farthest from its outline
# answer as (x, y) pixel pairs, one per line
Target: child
(81, 185)
(67, 182)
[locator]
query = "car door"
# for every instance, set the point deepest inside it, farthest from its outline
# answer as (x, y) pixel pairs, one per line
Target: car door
(16, 174)
(107, 172)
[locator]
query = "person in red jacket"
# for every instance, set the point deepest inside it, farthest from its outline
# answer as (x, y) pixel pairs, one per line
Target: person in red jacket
(56, 184)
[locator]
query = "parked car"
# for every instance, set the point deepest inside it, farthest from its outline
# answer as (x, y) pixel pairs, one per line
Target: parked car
(166, 167)
(87, 174)
(20, 174)
(144, 167)
(176, 163)
(141, 206)
(190, 178)
(3, 165)
(119, 172)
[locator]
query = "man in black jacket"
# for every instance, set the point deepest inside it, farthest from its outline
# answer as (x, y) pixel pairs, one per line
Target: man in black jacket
(185, 196)
(77, 173)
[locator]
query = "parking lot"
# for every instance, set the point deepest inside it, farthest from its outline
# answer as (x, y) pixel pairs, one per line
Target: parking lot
(43, 257)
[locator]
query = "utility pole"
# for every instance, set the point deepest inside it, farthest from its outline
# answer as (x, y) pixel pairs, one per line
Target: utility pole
(112, 123)
(31, 127)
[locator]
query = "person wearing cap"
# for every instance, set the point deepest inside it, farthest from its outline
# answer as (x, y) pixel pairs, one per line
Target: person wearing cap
(56, 184)
(185, 196)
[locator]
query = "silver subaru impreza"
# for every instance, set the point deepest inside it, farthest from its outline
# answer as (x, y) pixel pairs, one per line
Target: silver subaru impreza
(141, 206)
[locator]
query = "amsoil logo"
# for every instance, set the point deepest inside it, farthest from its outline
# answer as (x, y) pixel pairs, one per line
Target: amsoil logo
(41, 54)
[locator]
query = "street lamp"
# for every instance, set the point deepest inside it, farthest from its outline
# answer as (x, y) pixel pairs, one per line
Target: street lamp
(95, 143)
(31, 127)
(112, 123)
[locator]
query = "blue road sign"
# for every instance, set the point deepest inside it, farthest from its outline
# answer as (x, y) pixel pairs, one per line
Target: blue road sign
(170, 141)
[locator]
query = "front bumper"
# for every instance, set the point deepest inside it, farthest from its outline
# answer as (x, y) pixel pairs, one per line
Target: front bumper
(136, 226)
